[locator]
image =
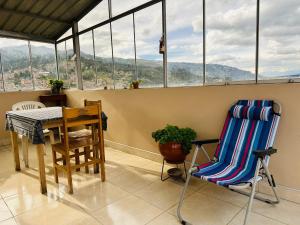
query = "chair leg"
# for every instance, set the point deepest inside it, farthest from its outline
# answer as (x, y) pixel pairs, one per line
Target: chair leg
(77, 159)
(54, 159)
(69, 175)
(51, 136)
(182, 221)
(102, 167)
(252, 192)
(25, 150)
(96, 156)
(271, 182)
(86, 157)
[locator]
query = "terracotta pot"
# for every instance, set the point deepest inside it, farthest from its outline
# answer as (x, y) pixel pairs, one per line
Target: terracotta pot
(135, 85)
(172, 152)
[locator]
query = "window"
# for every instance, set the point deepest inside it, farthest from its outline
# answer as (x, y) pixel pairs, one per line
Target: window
(185, 43)
(72, 80)
(2, 88)
(230, 40)
(87, 60)
(120, 6)
(16, 64)
(279, 49)
(103, 58)
(97, 15)
(123, 44)
(43, 64)
(61, 60)
(67, 64)
(148, 31)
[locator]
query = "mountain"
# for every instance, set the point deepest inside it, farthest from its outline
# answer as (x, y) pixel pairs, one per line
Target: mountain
(149, 71)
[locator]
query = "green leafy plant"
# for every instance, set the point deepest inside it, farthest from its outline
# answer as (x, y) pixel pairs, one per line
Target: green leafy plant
(56, 85)
(170, 133)
(135, 84)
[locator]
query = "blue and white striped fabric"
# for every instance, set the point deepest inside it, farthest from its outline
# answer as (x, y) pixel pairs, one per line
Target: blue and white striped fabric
(240, 136)
(251, 112)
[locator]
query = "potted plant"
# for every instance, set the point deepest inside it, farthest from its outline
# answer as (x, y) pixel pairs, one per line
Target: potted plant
(56, 86)
(135, 84)
(174, 143)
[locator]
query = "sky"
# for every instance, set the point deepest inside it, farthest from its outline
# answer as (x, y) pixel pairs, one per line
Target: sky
(230, 33)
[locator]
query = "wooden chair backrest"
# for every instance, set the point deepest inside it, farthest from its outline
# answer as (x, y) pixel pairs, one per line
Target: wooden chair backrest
(88, 103)
(78, 117)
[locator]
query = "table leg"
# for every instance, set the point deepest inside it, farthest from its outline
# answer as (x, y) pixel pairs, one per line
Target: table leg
(40, 154)
(15, 149)
(25, 150)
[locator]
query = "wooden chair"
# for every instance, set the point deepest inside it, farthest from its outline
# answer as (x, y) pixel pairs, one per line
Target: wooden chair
(27, 105)
(89, 116)
(87, 132)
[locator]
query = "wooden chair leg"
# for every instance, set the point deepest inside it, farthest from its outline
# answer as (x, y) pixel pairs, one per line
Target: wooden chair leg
(96, 156)
(86, 157)
(51, 136)
(102, 168)
(25, 150)
(54, 159)
(77, 159)
(69, 176)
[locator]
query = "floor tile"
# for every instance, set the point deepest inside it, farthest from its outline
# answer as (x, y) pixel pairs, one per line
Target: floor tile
(4, 211)
(224, 194)
(8, 222)
(24, 202)
(128, 211)
(132, 179)
(285, 211)
(165, 219)
(199, 209)
(97, 196)
(58, 214)
(253, 219)
(163, 194)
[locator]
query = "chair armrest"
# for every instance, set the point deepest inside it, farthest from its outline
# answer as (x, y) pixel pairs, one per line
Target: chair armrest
(262, 153)
(204, 142)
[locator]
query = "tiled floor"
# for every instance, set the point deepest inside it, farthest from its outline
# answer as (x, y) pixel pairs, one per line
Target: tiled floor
(133, 194)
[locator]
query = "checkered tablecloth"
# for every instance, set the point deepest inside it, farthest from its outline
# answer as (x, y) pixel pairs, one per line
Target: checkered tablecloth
(30, 122)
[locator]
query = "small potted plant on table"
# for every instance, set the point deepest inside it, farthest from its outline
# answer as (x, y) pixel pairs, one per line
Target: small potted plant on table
(135, 84)
(174, 143)
(56, 86)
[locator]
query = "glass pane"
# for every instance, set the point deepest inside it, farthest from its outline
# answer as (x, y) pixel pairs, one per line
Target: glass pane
(97, 15)
(1, 75)
(185, 43)
(66, 34)
(231, 35)
(279, 39)
(120, 6)
(43, 64)
(122, 33)
(72, 79)
(61, 60)
(103, 57)
(16, 65)
(148, 31)
(87, 60)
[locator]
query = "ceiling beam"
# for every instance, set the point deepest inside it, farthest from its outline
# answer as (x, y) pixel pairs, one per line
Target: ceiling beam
(23, 36)
(33, 15)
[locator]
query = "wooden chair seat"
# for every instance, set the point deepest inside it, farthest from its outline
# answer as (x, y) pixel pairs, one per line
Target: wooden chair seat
(76, 144)
(83, 133)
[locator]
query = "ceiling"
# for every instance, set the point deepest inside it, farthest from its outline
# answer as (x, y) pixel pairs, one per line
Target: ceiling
(41, 20)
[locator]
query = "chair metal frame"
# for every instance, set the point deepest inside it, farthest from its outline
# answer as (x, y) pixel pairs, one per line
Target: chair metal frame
(262, 171)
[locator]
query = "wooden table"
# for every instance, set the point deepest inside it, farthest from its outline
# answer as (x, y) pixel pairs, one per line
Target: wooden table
(31, 123)
(40, 150)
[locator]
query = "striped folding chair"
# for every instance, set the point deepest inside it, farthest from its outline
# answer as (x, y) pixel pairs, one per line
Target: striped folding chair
(242, 155)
